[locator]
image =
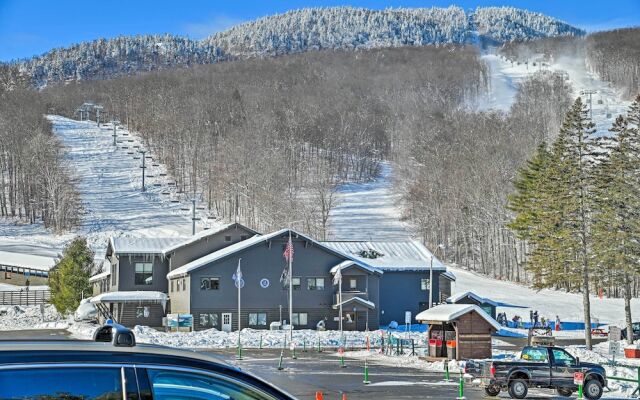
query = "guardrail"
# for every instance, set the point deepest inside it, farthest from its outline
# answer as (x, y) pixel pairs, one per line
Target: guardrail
(636, 380)
(24, 297)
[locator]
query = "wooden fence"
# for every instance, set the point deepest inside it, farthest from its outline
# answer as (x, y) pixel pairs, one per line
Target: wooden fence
(24, 297)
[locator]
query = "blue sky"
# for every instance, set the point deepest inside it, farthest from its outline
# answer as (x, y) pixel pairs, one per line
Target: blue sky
(31, 27)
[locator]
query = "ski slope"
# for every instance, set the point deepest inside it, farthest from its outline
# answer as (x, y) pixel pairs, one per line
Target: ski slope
(505, 76)
(109, 181)
(368, 211)
(549, 303)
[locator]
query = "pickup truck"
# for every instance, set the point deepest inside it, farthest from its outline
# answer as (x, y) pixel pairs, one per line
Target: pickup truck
(540, 367)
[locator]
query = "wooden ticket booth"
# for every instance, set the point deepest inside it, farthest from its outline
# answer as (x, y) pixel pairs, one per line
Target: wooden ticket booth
(459, 331)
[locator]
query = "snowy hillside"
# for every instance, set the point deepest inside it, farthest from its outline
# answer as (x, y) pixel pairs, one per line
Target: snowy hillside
(549, 303)
(109, 181)
(293, 32)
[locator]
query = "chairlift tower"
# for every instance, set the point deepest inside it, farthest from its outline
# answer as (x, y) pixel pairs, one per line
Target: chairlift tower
(589, 93)
(143, 168)
(115, 135)
(98, 108)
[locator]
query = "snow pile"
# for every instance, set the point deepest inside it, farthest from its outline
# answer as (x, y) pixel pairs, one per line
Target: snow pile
(30, 317)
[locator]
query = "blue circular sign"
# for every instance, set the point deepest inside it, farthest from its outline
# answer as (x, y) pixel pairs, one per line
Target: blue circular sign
(264, 283)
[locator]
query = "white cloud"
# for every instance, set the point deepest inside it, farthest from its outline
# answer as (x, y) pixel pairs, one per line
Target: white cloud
(216, 23)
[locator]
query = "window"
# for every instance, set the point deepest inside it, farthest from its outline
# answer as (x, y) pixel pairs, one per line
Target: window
(178, 285)
(113, 274)
(52, 383)
(244, 237)
(257, 319)
(535, 354)
(299, 318)
(143, 312)
(7, 275)
(209, 283)
(209, 320)
(227, 238)
(171, 285)
(144, 274)
(561, 357)
(296, 283)
(166, 384)
(315, 283)
(184, 284)
(353, 283)
(424, 284)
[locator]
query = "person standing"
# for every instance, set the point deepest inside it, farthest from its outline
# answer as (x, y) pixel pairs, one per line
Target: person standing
(535, 318)
(557, 323)
(531, 317)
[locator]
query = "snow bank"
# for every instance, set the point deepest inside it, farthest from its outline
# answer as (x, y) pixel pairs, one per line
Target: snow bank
(30, 317)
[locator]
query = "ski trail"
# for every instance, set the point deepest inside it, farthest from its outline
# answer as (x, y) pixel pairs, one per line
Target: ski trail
(109, 181)
(368, 211)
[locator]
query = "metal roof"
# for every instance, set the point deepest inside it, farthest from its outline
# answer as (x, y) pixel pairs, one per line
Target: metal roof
(408, 255)
(129, 245)
(29, 261)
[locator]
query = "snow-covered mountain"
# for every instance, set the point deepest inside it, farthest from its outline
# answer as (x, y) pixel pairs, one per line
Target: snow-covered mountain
(293, 32)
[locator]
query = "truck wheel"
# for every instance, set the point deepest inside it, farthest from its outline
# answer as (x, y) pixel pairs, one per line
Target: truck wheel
(492, 390)
(593, 389)
(564, 392)
(518, 389)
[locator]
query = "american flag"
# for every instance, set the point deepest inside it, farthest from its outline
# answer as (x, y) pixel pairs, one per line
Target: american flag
(288, 251)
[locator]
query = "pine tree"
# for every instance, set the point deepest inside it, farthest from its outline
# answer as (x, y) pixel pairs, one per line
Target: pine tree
(616, 219)
(575, 150)
(69, 280)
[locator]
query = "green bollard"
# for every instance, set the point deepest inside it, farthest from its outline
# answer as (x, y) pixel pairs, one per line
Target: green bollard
(342, 364)
(580, 391)
(260, 342)
(461, 388)
(239, 352)
(304, 345)
(366, 380)
(319, 348)
(280, 361)
(446, 372)
(293, 356)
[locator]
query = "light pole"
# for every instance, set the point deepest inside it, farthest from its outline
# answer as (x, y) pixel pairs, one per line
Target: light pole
(193, 216)
(143, 166)
(98, 108)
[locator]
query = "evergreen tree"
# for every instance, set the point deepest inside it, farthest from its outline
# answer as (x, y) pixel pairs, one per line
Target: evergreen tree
(69, 280)
(574, 151)
(616, 219)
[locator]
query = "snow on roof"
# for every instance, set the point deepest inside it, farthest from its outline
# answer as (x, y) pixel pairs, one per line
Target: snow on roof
(128, 245)
(408, 255)
(449, 275)
(99, 276)
(130, 297)
(479, 299)
(357, 299)
(348, 263)
(449, 312)
(217, 255)
(20, 260)
(201, 235)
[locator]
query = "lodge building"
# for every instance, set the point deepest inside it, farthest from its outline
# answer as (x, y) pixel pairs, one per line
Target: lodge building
(381, 281)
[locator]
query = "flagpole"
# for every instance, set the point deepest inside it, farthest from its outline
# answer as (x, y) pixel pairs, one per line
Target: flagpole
(290, 292)
(239, 284)
(340, 299)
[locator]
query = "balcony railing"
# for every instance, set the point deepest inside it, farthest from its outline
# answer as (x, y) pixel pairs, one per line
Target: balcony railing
(349, 295)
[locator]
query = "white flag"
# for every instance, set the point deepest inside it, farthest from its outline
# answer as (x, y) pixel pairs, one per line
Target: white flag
(337, 278)
(237, 276)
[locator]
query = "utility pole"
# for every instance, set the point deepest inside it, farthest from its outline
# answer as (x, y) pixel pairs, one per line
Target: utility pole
(589, 93)
(143, 168)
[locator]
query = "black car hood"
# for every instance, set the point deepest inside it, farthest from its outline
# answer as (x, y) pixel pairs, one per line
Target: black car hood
(591, 366)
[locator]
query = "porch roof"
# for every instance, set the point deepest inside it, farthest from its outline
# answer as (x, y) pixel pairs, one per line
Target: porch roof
(358, 300)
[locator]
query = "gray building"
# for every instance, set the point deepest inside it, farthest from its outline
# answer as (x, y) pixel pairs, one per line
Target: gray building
(136, 265)
(205, 288)
(404, 285)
